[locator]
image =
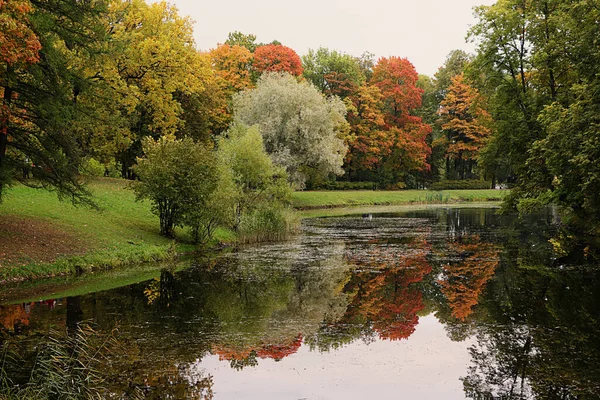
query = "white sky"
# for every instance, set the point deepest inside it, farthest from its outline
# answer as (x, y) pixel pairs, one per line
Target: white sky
(424, 31)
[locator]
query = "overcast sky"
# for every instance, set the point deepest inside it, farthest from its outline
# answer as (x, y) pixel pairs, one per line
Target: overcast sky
(424, 31)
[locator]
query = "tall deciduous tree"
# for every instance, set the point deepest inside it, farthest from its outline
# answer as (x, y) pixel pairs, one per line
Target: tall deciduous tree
(302, 129)
(369, 140)
(397, 78)
(525, 60)
(465, 124)
(151, 62)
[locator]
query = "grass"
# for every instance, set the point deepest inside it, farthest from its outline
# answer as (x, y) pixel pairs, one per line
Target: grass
(325, 199)
(122, 232)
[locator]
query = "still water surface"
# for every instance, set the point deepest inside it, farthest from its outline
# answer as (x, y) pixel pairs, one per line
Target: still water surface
(441, 303)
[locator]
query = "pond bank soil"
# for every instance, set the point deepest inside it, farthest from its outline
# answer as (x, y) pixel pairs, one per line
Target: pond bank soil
(27, 240)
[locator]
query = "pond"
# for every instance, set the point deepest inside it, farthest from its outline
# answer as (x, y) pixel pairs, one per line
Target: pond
(435, 303)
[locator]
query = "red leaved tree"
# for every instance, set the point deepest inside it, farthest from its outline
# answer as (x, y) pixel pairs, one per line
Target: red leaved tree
(277, 58)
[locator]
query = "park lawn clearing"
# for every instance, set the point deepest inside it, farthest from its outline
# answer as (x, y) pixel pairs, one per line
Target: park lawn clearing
(324, 199)
(59, 238)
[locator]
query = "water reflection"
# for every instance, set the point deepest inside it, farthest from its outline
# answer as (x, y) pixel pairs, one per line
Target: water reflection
(505, 289)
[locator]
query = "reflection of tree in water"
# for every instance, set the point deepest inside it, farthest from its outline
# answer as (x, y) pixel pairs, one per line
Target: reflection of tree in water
(13, 318)
(248, 356)
(471, 265)
(384, 297)
(539, 332)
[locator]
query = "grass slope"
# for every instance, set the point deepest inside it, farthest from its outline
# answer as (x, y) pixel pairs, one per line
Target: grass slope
(323, 199)
(122, 232)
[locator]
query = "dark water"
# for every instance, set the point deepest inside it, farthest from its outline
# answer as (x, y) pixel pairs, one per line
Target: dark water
(432, 304)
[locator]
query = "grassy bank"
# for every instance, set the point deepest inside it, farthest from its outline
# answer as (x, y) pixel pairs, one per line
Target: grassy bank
(324, 199)
(43, 237)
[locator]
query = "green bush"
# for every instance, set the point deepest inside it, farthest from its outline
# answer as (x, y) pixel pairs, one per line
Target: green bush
(177, 176)
(343, 185)
(466, 184)
(113, 170)
(91, 167)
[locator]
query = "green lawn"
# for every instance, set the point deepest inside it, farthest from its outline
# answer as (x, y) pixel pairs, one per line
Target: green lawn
(322, 199)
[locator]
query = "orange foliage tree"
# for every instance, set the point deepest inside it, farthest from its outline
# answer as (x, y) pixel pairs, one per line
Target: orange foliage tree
(465, 124)
(232, 66)
(277, 58)
(388, 143)
(466, 278)
(369, 140)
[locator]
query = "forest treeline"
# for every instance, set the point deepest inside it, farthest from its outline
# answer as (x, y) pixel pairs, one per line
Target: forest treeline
(90, 85)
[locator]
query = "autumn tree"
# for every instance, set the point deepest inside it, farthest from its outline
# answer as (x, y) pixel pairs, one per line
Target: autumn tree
(465, 124)
(19, 47)
(369, 140)
(276, 58)
(151, 66)
(302, 130)
(232, 66)
(396, 78)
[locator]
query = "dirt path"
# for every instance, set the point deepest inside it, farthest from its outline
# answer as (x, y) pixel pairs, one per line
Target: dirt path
(27, 240)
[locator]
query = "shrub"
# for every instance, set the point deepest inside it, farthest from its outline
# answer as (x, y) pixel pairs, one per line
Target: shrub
(472, 184)
(91, 167)
(258, 182)
(178, 177)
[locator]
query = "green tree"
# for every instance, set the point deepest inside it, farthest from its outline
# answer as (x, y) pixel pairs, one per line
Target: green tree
(302, 130)
(240, 39)
(525, 63)
(178, 177)
(257, 180)
(333, 73)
